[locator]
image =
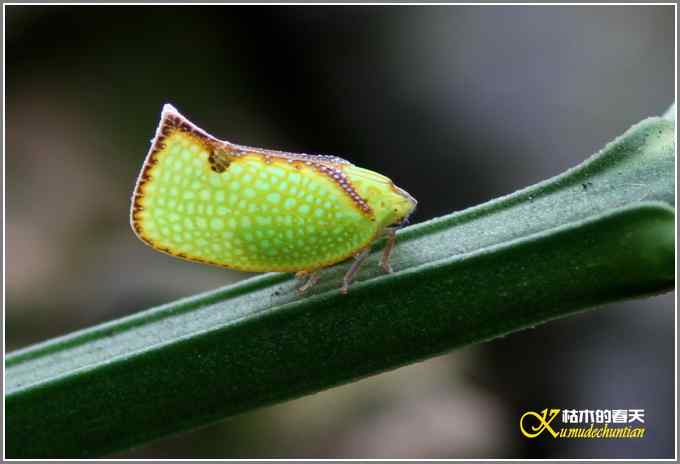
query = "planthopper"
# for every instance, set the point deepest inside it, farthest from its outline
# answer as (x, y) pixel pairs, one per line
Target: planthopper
(251, 209)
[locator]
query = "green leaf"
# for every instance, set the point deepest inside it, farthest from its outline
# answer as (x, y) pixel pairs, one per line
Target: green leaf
(601, 232)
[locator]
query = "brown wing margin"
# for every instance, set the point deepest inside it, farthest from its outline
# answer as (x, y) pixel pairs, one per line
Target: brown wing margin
(171, 120)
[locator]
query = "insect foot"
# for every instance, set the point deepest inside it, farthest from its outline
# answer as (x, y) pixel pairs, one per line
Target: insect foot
(312, 278)
(359, 258)
(385, 260)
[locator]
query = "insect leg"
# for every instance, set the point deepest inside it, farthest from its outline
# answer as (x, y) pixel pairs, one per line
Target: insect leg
(358, 260)
(391, 240)
(312, 279)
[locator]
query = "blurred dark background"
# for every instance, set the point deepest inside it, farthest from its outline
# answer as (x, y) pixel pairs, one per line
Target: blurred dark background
(457, 104)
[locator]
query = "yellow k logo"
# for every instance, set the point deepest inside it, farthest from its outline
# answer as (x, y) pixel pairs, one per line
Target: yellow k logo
(542, 424)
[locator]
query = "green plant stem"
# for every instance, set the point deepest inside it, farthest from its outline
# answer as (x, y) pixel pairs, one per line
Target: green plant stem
(601, 232)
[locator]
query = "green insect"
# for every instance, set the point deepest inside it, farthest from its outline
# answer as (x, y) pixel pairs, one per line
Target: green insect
(251, 209)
